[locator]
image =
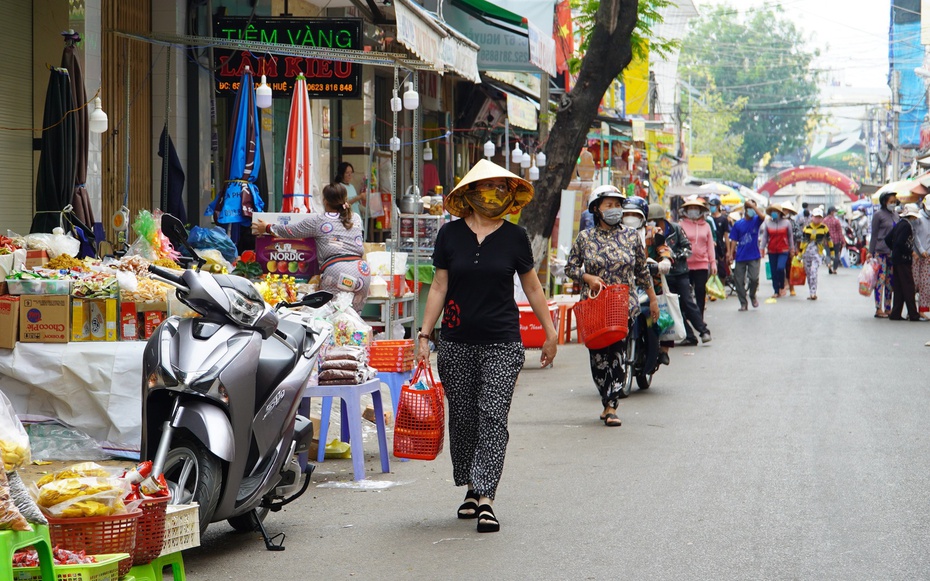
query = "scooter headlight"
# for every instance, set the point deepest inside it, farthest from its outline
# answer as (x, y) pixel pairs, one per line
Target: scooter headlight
(242, 309)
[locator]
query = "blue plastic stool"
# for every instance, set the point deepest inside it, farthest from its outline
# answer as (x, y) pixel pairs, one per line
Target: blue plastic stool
(395, 381)
(351, 403)
(11, 541)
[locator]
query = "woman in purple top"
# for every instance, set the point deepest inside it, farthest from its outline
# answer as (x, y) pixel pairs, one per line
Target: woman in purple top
(338, 235)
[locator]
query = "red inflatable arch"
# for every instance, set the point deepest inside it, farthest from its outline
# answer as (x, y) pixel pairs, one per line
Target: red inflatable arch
(824, 175)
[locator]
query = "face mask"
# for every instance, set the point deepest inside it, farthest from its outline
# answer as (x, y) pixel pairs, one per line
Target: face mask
(891, 207)
(492, 203)
(694, 214)
(652, 223)
(634, 222)
(612, 216)
(750, 213)
(774, 216)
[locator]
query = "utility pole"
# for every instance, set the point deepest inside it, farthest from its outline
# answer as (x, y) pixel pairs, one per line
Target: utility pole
(895, 110)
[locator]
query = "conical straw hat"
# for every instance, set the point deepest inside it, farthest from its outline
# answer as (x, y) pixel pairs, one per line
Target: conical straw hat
(521, 189)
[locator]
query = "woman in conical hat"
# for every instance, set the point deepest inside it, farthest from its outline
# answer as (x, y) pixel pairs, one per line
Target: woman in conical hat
(480, 350)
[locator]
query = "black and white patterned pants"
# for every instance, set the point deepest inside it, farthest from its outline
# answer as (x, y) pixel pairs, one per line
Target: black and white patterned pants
(608, 372)
(479, 381)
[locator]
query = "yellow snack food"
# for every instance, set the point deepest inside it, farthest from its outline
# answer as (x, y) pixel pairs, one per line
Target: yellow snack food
(82, 470)
(59, 491)
(14, 454)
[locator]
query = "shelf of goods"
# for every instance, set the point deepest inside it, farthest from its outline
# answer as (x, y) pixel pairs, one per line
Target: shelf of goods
(417, 237)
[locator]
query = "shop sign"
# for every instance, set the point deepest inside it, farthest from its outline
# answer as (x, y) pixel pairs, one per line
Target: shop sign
(522, 113)
(326, 79)
(542, 50)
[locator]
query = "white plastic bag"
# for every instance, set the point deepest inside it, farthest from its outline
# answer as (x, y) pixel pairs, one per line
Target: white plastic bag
(14, 441)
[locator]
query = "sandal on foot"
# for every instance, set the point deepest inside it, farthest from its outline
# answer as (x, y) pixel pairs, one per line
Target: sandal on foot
(487, 522)
(611, 420)
(470, 504)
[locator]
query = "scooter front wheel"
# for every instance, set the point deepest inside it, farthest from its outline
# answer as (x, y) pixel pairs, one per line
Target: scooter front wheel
(194, 474)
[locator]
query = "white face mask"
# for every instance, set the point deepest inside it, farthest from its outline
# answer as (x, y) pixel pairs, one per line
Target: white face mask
(693, 213)
(634, 222)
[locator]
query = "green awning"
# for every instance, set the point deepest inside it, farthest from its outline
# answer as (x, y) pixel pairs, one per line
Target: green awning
(494, 15)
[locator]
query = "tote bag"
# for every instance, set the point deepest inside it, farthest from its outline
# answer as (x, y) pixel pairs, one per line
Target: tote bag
(668, 302)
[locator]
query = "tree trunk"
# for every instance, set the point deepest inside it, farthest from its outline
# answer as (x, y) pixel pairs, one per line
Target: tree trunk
(609, 52)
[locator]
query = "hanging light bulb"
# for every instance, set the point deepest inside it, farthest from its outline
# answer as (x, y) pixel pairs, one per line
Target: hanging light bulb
(411, 98)
(489, 149)
(263, 95)
(97, 122)
(396, 104)
(534, 173)
(541, 159)
(517, 155)
(395, 144)
(428, 153)
(525, 160)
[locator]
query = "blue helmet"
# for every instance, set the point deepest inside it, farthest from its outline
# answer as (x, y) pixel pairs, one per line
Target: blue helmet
(636, 204)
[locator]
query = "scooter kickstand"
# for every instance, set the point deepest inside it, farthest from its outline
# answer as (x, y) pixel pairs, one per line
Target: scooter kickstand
(270, 541)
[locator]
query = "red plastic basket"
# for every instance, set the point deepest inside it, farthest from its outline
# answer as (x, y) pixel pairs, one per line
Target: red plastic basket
(150, 532)
(604, 319)
(97, 535)
(419, 430)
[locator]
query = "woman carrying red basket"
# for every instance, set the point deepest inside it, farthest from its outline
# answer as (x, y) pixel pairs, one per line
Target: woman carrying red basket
(610, 254)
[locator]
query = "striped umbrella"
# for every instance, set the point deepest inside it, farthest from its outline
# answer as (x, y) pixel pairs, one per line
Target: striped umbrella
(298, 152)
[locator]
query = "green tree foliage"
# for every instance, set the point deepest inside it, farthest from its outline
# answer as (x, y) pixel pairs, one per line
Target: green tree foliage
(712, 120)
(761, 58)
(643, 41)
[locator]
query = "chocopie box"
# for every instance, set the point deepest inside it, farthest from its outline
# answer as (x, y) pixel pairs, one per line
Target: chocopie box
(9, 321)
(45, 319)
(291, 256)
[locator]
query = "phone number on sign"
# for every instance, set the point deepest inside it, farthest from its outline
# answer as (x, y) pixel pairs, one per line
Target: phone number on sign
(329, 87)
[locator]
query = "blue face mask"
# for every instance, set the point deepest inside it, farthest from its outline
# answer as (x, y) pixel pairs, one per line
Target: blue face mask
(774, 216)
(750, 213)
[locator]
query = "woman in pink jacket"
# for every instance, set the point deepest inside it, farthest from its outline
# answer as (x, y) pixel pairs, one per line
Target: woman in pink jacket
(703, 260)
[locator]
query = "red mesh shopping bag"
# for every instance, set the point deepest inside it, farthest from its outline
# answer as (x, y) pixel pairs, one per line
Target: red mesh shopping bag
(603, 318)
(419, 429)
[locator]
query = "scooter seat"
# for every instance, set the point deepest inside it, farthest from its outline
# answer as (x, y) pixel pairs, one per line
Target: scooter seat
(276, 360)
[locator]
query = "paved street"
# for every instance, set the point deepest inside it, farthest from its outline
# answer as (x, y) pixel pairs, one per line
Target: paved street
(792, 447)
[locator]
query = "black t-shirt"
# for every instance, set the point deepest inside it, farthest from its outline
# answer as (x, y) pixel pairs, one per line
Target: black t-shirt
(723, 233)
(480, 307)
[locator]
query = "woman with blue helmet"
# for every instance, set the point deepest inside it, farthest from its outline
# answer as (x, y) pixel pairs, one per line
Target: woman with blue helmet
(610, 254)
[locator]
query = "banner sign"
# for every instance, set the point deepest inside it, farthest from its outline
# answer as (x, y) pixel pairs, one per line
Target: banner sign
(326, 79)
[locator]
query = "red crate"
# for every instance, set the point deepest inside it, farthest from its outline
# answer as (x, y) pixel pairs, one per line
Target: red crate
(531, 330)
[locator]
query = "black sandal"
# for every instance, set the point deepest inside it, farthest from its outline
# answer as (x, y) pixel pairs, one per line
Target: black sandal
(487, 522)
(611, 420)
(471, 503)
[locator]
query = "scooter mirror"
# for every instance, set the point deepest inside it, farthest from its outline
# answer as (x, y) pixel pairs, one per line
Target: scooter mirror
(317, 299)
(177, 234)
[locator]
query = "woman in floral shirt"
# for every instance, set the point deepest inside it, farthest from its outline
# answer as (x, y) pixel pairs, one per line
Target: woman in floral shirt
(609, 254)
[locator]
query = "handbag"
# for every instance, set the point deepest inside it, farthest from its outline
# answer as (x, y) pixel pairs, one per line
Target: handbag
(419, 429)
(668, 302)
(797, 276)
(715, 288)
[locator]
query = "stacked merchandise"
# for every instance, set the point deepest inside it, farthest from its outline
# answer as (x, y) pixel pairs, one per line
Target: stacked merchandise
(345, 365)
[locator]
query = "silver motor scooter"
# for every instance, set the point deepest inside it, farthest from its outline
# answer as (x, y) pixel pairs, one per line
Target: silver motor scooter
(220, 397)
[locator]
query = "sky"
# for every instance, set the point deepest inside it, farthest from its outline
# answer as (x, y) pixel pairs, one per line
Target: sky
(851, 34)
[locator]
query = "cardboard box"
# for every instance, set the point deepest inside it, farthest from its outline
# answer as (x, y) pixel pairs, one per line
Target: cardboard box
(292, 256)
(129, 321)
(9, 321)
(151, 316)
(281, 218)
(45, 318)
(35, 258)
(104, 319)
(80, 320)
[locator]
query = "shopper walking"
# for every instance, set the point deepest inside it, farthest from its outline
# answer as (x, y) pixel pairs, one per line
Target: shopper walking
(835, 226)
(815, 242)
(900, 240)
(678, 277)
(883, 220)
(722, 240)
(703, 260)
(480, 350)
(610, 254)
(778, 242)
(796, 233)
(338, 235)
(745, 233)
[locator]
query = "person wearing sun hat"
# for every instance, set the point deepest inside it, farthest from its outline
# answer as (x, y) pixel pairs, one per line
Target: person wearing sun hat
(778, 242)
(901, 242)
(796, 231)
(703, 260)
(480, 351)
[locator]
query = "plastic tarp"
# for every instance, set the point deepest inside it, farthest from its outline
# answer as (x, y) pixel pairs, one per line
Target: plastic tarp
(94, 387)
(906, 53)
